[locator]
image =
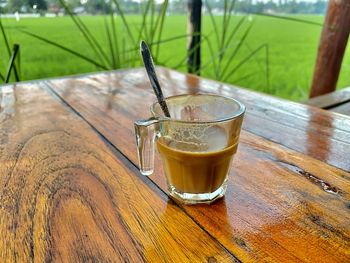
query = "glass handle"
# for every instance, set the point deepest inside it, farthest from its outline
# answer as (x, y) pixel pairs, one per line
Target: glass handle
(145, 131)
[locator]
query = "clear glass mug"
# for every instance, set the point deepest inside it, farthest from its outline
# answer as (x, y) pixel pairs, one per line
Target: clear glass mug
(196, 144)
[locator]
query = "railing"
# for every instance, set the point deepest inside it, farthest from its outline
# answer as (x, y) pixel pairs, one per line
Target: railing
(331, 49)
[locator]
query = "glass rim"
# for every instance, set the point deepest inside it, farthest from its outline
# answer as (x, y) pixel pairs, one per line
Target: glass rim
(235, 115)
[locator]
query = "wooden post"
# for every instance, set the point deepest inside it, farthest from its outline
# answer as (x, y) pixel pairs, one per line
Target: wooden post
(331, 48)
(194, 32)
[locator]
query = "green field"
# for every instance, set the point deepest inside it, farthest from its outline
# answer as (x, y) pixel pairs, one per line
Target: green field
(292, 50)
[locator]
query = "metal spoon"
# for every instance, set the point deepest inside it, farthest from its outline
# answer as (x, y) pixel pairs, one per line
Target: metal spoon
(148, 62)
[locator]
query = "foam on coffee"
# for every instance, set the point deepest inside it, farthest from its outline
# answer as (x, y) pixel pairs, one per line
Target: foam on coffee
(200, 139)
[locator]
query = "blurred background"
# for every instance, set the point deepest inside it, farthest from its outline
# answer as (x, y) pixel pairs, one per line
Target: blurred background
(268, 46)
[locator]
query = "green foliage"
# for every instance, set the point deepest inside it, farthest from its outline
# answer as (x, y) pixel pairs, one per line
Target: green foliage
(150, 29)
(39, 4)
(15, 5)
(14, 62)
(229, 42)
(282, 6)
(292, 48)
(28, 5)
(177, 6)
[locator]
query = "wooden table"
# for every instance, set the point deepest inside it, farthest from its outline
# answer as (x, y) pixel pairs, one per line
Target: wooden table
(337, 101)
(70, 189)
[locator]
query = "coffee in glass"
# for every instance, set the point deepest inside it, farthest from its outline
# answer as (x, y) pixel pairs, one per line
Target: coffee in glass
(196, 144)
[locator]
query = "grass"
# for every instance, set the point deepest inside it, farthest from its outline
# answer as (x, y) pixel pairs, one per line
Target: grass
(292, 50)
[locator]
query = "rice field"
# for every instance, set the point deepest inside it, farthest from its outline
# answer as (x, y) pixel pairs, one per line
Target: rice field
(283, 67)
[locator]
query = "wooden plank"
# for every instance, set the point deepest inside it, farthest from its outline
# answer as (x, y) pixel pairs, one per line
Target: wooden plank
(330, 100)
(310, 131)
(281, 205)
(66, 196)
(332, 46)
(343, 108)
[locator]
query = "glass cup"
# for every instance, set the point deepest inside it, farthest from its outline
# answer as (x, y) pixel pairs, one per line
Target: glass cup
(196, 144)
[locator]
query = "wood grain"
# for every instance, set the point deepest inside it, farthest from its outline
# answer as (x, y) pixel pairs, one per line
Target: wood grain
(288, 194)
(343, 109)
(66, 196)
(331, 100)
(310, 131)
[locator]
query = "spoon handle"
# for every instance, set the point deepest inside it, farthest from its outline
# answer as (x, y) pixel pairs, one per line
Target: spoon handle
(148, 62)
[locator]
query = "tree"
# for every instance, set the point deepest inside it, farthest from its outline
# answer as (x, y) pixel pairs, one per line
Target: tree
(94, 6)
(37, 4)
(15, 5)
